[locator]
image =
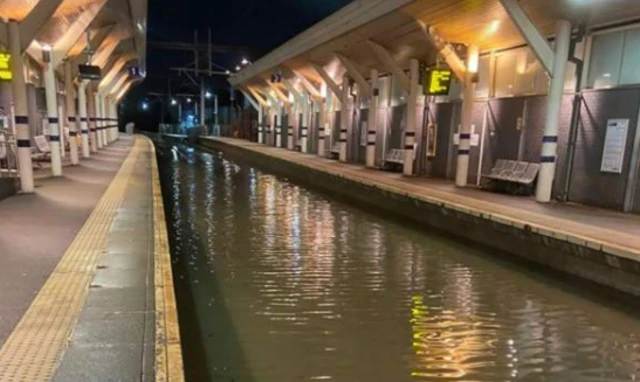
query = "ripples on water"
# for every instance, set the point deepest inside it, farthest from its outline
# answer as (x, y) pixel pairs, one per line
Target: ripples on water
(280, 283)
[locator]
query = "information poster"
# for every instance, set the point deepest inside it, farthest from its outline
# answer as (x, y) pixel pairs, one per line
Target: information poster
(615, 144)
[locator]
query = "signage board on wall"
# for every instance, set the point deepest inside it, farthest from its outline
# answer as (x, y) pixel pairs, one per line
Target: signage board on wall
(438, 82)
(615, 144)
(5, 67)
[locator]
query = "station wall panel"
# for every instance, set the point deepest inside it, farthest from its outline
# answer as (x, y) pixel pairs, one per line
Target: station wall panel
(588, 184)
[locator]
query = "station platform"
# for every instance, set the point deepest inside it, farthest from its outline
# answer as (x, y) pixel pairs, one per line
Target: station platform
(596, 244)
(85, 276)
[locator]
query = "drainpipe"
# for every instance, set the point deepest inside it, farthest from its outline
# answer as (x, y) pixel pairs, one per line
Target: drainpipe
(575, 114)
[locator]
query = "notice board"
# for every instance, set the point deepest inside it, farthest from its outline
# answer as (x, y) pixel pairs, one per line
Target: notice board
(615, 144)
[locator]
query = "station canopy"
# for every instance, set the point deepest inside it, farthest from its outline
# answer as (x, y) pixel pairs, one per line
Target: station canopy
(395, 25)
(114, 30)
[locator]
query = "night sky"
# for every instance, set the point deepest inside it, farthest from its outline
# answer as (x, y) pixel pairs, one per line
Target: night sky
(257, 26)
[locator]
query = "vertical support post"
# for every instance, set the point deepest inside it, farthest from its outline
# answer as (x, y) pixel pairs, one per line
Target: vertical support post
(552, 121)
(344, 119)
(98, 120)
(71, 113)
(216, 121)
(410, 130)
(93, 137)
(103, 120)
(84, 128)
(114, 116)
(290, 119)
(469, 93)
(322, 129)
(202, 102)
(304, 126)
(372, 120)
(51, 97)
(21, 116)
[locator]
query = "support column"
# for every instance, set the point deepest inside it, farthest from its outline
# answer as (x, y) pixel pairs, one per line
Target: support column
(322, 128)
(290, 113)
(82, 114)
(304, 129)
(372, 120)
(51, 96)
(98, 120)
(71, 113)
(104, 121)
(202, 103)
(552, 119)
(114, 119)
(93, 137)
(344, 120)
(410, 130)
(21, 118)
(261, 125)
(462, 170)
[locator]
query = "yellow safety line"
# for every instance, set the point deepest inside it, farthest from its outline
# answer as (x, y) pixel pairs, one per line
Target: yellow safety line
(35, 347)
(169, 365)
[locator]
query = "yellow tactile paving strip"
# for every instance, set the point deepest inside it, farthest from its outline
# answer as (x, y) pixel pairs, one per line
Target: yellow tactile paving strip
(35, 347)
(169, 365)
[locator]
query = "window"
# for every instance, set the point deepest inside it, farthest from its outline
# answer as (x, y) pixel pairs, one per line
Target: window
(484, 76)
(606, 55)
(615, 59)
(518, 72)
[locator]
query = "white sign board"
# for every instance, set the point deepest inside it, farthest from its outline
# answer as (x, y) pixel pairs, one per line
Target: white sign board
(615, 144)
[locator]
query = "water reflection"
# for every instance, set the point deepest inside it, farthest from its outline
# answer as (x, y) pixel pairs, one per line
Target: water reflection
(279, 283)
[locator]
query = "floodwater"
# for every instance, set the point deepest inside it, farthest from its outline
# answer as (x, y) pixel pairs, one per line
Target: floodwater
(280, 283)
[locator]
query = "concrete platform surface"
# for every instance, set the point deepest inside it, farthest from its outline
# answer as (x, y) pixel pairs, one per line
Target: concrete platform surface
(93, 294)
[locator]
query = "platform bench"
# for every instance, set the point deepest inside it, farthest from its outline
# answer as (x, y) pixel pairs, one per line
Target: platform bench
(514, 176)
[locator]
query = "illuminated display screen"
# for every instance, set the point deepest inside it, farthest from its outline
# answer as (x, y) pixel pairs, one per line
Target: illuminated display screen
(5, 67)
(438, 82)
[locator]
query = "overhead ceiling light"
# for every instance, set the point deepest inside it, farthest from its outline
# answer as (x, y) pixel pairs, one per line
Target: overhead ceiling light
(245, 61)
(494, 26)
(228, 72)
(238, 68)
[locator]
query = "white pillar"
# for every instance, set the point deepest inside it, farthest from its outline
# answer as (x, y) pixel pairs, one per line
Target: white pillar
(372, 120)
(98, 120)
(552, 118)
(71, 113)
(344, 120)
(289, 127)
(104, 121)
(114, 119)
(462, 170)
(51, 96)
(82, 115)
(260, 125)
(91, 100)
(304, 129)
(322, 128)
(202, 103)
(410, 130)
(21, 117)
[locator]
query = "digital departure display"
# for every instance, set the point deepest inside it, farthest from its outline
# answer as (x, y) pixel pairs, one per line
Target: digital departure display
(438, 82)
(5, 67)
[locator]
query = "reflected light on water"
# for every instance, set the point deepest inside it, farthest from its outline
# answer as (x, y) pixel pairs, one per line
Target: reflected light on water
(279, 283)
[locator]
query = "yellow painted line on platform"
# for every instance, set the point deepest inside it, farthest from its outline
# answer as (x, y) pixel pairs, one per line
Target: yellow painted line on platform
(35, 347)
(169, 364)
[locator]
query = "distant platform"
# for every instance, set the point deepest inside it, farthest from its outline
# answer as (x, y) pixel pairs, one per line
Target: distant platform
(599, 245)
